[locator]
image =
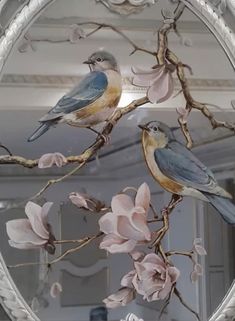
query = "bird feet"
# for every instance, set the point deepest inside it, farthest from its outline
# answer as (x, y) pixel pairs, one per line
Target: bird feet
(105, 138)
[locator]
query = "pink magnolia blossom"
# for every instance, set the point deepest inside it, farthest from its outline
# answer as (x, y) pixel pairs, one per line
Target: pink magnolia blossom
(198, 247)
(55, 290)
(159, 81)
(154, 278)
(121, 298)
(48, 160)
(197, 271)
(79, 200)
(34, 232)
(126, 226)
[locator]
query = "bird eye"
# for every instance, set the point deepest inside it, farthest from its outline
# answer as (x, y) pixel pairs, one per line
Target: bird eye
(155, 129)
(99, 59)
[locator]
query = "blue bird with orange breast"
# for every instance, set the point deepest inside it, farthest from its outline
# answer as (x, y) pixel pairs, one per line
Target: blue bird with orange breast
(92, 101)
(180, 172)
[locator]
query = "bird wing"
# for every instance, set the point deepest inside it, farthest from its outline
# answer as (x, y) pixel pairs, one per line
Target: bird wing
(86, 92)
(179, 164)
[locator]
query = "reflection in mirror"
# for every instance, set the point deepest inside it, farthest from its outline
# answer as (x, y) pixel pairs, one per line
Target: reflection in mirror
(47, 64)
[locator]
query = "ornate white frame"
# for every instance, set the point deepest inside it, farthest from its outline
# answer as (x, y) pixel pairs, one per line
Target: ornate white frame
(10, 298)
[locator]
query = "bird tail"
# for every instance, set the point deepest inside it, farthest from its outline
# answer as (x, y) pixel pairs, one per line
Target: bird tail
(224, 206)
(39, 131)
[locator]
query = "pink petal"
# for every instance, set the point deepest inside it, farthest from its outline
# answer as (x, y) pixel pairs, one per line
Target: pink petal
(56, 289)
(34, 213)
(122, 204)
(108, 223)
(124, 295)
(138, 285)
(78, 200)
(20, 231)
(114, 244)
(200, 250)
(146, 78)
(155, 259)
(112, 304)
(126, 230)
(198, 268)
(23, 246)
(137, 256)
(44, 212)
(183, 112)
(76, 33)
(162, 89)
(194, 277)
(46, 160)
(59, 159)
(140, 224)
(166, 289)
(174, 273)
(143, 197)
(126, 281)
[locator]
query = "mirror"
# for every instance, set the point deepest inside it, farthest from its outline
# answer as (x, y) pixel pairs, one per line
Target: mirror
(44, 65)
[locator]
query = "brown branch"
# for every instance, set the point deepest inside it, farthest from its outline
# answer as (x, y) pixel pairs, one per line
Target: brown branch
(83, 242)
(191, 102)
(175, 200)
(179, 296)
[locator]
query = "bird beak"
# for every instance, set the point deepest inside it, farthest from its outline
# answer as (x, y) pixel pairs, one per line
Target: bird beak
(143, 127)
(88, 62)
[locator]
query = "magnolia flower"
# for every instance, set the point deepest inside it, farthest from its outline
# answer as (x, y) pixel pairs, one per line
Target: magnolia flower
(48, 160)
(56, 289)
(154, 278)
(159, 81)
(132, 317)
(121, 298)
(126, 226)
(34, 232)
(79, 200)
(133, 2)
(198, 247)
(197, 271)
(76, 33)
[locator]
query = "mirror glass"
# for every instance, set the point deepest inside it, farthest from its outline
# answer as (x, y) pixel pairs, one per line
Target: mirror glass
(47, 64)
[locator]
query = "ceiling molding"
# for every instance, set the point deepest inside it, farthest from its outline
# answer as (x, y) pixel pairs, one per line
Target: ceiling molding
(68, 81)
(124, 24)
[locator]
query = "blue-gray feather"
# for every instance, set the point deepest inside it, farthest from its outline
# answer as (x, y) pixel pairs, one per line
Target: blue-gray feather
(224, 206)
(88, 90)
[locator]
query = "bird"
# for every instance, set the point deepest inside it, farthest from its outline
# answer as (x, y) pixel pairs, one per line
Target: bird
(180, 172)
(92, 101)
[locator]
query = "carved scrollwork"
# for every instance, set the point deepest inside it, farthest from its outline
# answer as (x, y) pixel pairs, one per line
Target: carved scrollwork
(126, 7)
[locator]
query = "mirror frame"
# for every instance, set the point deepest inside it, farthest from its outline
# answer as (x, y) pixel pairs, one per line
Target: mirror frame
(25, 14)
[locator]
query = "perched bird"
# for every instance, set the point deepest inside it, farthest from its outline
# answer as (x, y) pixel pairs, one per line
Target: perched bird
(92, 101)
(180, 172)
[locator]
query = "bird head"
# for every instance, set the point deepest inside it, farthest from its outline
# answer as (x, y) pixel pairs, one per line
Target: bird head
(101, 61)
(157, 133)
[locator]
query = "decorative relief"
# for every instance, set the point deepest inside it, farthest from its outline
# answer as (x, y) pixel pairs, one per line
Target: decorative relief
(126, 7)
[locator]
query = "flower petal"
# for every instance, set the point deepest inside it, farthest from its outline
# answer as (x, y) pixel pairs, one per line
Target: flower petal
(126, 281)
(78, 200)
(174, 273)
(20, 231)
(147, 78)
(200, 250)
(34, 213)
(59, 159)
(56, 289)
(114, 244)
(46, 161)
(23, 246)
(143, 196)
(140, 224)
(126, 230)
(194, 277)
(44, 212)
(108, 223)
(122, 204)
(162, 89)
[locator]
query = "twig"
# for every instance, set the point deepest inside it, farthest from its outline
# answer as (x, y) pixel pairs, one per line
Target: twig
(179, 296)
(176, 199)
(83, 242)
(166, 303)
(6, 149)
(191, 103)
